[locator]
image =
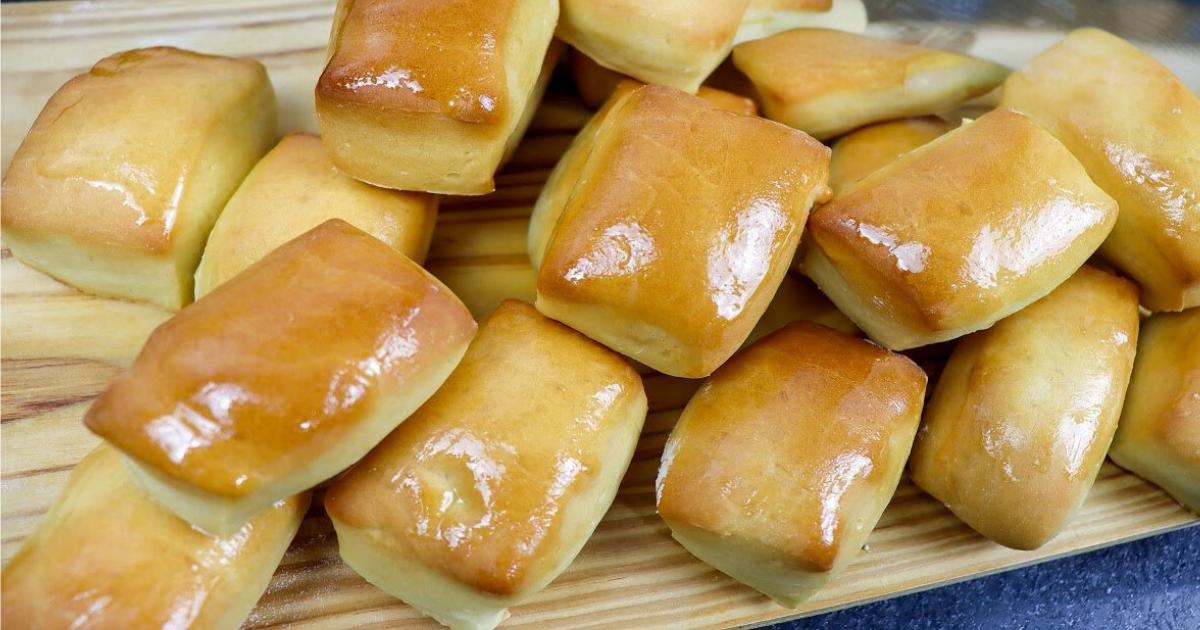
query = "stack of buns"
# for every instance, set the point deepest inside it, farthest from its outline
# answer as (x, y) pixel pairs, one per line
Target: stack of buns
(467, 470)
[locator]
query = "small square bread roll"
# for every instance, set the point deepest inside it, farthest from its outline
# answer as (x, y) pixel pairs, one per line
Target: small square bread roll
(827, 82)
(765, 18)
(1024, 411)
(673, 234)
(433, 96)
(283, 376)
(784, 460)
(959, 233)
(1158, 438)
(489, 491)
(862, 152)
(1136, 127)
(295, 188)
(120, 179)
(108, 556)
(666, 42)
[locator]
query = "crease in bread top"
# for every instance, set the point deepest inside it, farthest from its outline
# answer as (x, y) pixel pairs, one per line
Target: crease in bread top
(444, 57)
(958, 233)
(792, 448)
(681, 220)
(499, 479)
(250, 384)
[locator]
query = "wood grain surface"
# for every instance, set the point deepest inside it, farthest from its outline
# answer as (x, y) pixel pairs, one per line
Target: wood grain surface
(60, 348)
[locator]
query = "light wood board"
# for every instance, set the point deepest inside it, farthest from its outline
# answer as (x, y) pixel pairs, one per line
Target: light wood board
(61, 347)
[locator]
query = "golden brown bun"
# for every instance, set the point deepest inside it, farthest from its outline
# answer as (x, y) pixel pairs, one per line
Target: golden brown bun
(120, 179)
(864, 151)
(679, 226)
(959, 233)
(295, 188)
(283, 376)
(1023, 414)
(827, 82)
(783, 461)
(1136, 128)
(489, 491)
(1159, 435)
(108, 556)
(432, 96)
(667, 42)
(799, 299)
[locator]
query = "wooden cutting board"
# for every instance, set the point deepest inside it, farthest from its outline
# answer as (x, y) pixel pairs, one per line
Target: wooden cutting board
(61, 347)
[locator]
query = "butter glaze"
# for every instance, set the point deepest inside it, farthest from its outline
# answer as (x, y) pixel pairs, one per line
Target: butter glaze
(1024, 412)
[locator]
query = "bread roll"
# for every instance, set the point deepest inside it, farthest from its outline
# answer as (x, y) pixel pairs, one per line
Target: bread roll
(1158, 438)
(120, 179)
(433, 96)
(108, 556)
(799, 299)
(959, 233)
(862, 152)
(679, 225)
(489, 491)
(1023, 414)
(283, 376)
(296, 188)
(597, 84)
(667, 42)
(765, 18)
(784, 460)
(1136, 128)
(828, 82)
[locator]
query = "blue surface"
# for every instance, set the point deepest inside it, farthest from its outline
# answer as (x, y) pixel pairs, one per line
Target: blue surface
(1153, 583)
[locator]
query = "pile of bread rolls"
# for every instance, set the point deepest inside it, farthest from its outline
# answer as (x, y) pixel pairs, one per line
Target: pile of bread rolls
(1054, 239)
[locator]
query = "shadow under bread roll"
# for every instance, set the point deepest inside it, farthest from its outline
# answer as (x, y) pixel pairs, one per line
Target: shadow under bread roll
(1024, 412)
(109, 556)
(489, 491)
(784, 460)
(283, 376)
(1158, 437)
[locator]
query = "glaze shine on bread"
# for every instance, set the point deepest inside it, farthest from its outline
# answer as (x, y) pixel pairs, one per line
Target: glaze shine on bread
(433, 96)
(959, 233)
(784, 460)
(282, 377)
(1136, 128)
(109, 556)
(679, 226)
(120, 179)
(490, 490)
(1024, 412)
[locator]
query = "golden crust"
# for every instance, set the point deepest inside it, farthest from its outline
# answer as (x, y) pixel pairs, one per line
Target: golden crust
(827, 82)
(667, 42)
(1136, 128)
(533, 420)
(295, 188)
(959, 233)
(1023, 414)
(864, 151)
(1159, 434)
(796, 444)
(678, 228)
(108, 556)
(248, 385)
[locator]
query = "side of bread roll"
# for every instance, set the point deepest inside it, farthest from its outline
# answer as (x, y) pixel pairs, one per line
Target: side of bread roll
(784, 460)
(1136, 127)
(295, 188)
(1024, 412)
(490, 490)
(433, 96)
(679, 226)
(1158, 438)
(864, 151)
(109, 556)
(283, 376)
(120, 179)
(827, 82)
(666, 42)
(765, 18)
(959, 233)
